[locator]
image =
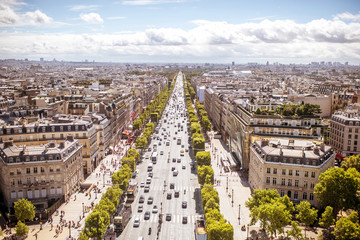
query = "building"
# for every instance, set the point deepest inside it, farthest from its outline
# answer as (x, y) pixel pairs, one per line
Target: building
(42, 174)
(292, 167)
(344, 132)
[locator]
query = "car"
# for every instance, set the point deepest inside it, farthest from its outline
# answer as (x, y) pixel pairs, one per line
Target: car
(182, 146)
(140, 208)
(174, 159)
(150, 174)
(176, 193)
(173, 168)
(161, 152)
(179, 160)
(141, 199)
(147, 188)
(183, 167)
(160, 145)
(147, 215)
(186, 150)
(168, 196)
(150, 200)
(175, 173)
(168, 217)
(136, 222)
(142, 184)
(155, 209)
(174, 138)
(182, 152)
(175, 133)
(184, 220)
(148, 180)
(172, 185)
(184, 204)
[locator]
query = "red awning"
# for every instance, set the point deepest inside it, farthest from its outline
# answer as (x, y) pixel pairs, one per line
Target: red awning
(339, 156)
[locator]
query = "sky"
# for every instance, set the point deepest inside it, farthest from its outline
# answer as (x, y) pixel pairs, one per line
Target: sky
(181, 31)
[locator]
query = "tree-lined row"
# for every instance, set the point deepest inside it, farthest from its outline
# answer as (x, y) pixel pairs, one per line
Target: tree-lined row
(218, 228)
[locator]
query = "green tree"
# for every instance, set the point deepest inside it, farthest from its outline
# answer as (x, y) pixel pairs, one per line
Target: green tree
(213, 215)
(348, 228)
(195, 127)
(141, 143)
(21, 229)
(203, 173)
(199, 144)
(327, 218)
(351, 162)
(208, 192)
(307, 214)
(206, 123)
(203, 158)
(133, 153)
(137, 124)
(130, 162)
(154, 117)
(211, 204)
(338, 188)
(96, 224)
(295, 231)
(106, 205)
(24, 210)
(113, 194)
(220, 231)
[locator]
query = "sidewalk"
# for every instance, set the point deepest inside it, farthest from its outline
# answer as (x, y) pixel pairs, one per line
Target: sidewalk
(227, 184)
(73, 209)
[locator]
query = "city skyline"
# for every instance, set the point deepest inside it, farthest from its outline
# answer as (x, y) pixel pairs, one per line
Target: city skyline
(181, 31)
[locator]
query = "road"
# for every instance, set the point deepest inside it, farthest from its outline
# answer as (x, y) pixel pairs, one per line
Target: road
(169, 127)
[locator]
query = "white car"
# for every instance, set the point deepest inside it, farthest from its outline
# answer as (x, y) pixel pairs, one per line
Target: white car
(142, 184)
(136, 222)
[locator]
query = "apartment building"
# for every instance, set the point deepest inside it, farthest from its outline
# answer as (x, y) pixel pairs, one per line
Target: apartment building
(345, 132)
(292, 167)
(42, 131)
(41, 174)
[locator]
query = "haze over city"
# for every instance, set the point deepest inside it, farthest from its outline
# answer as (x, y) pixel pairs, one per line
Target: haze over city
(181, 31)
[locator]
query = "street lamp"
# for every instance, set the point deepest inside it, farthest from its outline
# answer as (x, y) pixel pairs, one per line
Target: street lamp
(104, 179)
(69, 229)
(232, 197)
(239, 213)
(248, 231)
(227, 183)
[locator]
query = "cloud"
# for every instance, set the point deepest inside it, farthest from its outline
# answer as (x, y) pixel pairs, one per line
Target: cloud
(347, 16)
(93, 18)
(207, 41)
(116, 18)
(10, 15)
(84, 7)
(150, 2)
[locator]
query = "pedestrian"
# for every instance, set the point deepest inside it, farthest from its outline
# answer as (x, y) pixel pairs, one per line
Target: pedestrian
(36, 236)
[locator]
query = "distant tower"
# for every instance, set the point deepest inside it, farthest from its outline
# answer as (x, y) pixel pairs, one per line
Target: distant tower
(41, 59)
(233, 63)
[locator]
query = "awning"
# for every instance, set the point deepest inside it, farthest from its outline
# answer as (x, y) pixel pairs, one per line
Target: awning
(339, 156)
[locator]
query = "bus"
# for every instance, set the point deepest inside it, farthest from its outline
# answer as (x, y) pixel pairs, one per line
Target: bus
(154, 157)
(179, 141)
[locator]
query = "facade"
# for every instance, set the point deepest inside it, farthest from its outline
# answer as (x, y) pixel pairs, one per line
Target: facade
(42, 131)
(345, 133)
(292, 167)
(41, 174)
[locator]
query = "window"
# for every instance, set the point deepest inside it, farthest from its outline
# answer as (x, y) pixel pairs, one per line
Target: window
(12, 181)
(84, 134)
(296, 194)
(350, 130)
(274, 181)
(28, 181)
(313, 174)
(275, 171)
(35, 169)
(290, 172)
(296, 183)
(268, 170)
(27, 170)
(297, 173)
(304, 195)
(19, 182)
(284, 172)
(306, 174)
(268, 180)
(51, 169)
(349, 136)
(356, 136)
(311, 197)
(305, 184)
(283, 182)
(282, 193)
(289, 182)
(42, 169)
(349, 142)
(312, 185)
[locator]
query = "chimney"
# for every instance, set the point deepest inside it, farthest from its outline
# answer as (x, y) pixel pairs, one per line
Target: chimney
(316, 150)
(70, 137)
(62, 144)
(322, 147)
(263, 142)
(51, 144)
(8, 143)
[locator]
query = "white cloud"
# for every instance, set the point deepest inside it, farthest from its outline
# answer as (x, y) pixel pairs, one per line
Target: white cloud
(84, 7)
(149, 2)
(347, 16)
(116, 18)
(281, 40)
(10, 15)
(93, 18)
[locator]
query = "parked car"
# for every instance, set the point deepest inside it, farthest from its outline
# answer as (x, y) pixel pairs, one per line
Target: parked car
(136, 222)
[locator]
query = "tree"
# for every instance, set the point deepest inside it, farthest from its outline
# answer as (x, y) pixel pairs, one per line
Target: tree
(133, 153)
(24, 210)
(141, 143)
(307, 215)
(199, 144)
(206, 123)
(106, 205)
(195, 127)
(21, 229)
(154, 117)
(203, 158)
(347, 228)
(338, 188)
(211, 204)
(122, 177)
(96, 224)
(351, 162)
(130, 162)
(203, 173)
(137, 124)
(220, 231)
(208, 192)
(213, 215)
(113, 194)
(295, 231)
(327, 217)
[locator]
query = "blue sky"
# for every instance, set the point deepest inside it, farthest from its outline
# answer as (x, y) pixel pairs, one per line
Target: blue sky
(181, 30)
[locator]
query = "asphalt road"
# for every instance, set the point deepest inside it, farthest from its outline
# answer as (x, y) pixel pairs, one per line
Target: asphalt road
(186, 180)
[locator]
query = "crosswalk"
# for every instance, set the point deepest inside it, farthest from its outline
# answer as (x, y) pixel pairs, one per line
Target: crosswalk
(154, 218)
(181, 188)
